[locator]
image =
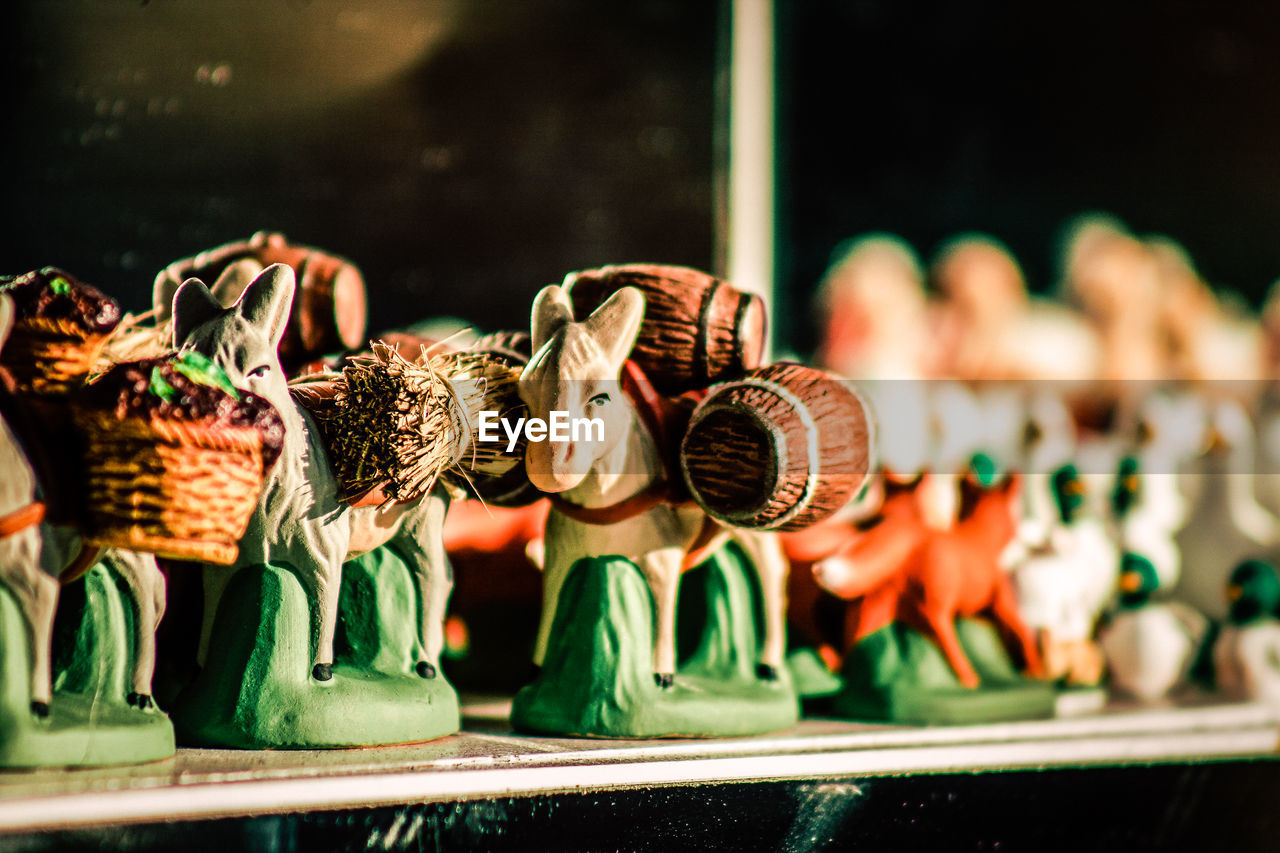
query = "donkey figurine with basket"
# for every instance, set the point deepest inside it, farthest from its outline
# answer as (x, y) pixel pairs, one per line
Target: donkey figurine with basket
(102, 711)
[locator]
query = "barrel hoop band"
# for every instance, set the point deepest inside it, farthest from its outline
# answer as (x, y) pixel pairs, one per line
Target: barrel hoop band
(701, 357)
(811, 437)
(739, 317)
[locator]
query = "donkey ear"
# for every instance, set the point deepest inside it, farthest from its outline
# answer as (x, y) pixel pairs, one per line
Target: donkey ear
(551, 310)
(615, 324)
(6, 318)
(266, 302)
(193, 306)
(234, 279)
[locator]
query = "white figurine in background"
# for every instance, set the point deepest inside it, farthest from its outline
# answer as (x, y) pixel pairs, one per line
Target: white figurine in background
(871, 308)
(1003, 410)
(1148, 500)
(1149, 645)
(1227, 524)
(957, 432)
(986, 325)
(1065, 575)
(1114, 279)
(1210, 334)
(1268, 412)
(1247, 654)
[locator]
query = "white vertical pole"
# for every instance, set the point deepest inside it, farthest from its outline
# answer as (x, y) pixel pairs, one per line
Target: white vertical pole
(751, 150)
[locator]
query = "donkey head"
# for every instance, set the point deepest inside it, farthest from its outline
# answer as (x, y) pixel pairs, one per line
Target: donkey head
(574, 370)
(241, 339)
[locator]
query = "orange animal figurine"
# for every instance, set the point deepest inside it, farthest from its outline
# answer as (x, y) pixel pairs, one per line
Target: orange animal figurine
(933, 627)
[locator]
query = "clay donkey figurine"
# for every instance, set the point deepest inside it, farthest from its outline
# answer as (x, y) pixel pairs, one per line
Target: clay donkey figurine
(301, 520)
(31, 580)
(575, 369)
(35, 554)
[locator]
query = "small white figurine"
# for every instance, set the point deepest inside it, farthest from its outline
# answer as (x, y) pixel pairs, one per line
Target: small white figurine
(1228, 525)
(1149, 645)
(1065, 575)
(1247, 655)
(1148, 501)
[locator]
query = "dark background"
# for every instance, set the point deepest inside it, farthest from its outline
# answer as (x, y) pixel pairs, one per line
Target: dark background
(930, 119)
(463, 153)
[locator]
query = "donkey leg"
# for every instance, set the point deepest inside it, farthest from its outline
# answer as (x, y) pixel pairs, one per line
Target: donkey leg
(40, 608)
(552, 579)
(942, 623)
(772, 568)
(318, 567)
(324, 617)
(146, 583)
(421, 538)
(1004, 610)
(214, 580)
(662, 570)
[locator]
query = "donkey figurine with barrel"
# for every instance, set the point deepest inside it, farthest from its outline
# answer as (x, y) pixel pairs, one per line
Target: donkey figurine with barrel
(303, 525)
(575, 369)
(616, 497)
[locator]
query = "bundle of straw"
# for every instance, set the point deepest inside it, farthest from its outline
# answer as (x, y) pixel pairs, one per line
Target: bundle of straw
(393, 426)
(137, 337)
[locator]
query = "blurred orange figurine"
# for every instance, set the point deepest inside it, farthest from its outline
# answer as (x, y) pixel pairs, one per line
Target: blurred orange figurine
(904, 569)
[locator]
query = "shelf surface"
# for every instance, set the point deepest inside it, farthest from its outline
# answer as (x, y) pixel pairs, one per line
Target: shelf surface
(490, 760)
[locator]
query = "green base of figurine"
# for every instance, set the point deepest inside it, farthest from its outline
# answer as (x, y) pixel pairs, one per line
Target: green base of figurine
(899, 675)
(597, 677)
(90, 722)
(810, 675)
(256, 690)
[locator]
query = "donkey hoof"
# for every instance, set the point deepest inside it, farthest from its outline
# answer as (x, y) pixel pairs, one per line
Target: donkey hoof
(322, 672)
(40, 709)
(425, 670)
(766, 672)
(141, 701)
(664, 679)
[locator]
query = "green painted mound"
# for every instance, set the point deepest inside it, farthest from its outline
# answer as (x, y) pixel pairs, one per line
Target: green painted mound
(899, 675)
(597, 677)
(256, 689)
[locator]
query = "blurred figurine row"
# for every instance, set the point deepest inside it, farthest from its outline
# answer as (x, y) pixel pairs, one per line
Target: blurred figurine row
(1129, 308)
(725, 542)
(1139, 414)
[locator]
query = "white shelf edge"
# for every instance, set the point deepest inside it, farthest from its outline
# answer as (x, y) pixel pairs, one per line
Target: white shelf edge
(267, 796)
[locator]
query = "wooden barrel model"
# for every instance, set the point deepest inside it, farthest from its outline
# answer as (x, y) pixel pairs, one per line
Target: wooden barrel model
(511, 489)
(697, 329)
(329, 309)
(781, 448)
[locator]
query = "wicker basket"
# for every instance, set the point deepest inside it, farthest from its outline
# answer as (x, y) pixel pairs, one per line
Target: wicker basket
(49, 356)
(181, 490)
